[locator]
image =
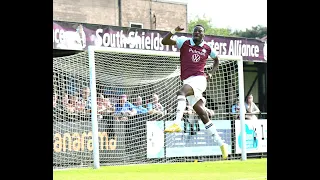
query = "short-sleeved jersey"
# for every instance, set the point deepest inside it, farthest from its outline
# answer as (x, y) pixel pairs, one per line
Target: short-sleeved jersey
(193, 58)
(127, 106)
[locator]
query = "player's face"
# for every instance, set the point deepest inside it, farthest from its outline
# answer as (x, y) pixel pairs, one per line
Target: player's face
(198, 33)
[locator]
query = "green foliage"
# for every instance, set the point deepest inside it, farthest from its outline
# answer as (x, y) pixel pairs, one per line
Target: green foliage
(258, 31)
(255, 32)
(209, 29)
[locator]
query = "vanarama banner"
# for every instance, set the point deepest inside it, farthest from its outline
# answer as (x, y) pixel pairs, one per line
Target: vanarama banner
(72, 142)
(75, 36)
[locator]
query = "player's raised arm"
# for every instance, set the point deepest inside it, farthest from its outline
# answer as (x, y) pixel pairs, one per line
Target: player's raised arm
(167, 38)
(215, 58)
(215, 64)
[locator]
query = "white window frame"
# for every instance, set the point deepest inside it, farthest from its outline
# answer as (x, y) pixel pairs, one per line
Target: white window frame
(136, 24)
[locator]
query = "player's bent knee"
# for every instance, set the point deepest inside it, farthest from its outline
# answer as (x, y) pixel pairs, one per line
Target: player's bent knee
(180, 93)
(200, 108)
(199, 104)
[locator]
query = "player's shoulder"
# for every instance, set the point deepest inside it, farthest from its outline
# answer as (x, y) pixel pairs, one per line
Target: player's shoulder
(182, 38)
(210, 49)
(207, 46)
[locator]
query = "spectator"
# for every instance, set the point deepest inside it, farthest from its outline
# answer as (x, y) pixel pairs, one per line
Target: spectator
(235, 109)
(149, 104)
(65, 100)
(157, 108)
(86, 98)
(104, 105)
(138, 106)
(55, 100)
(55, 107)
(109, 107)
(80, 105)
(251, 108)
(189, 110)
(106, 109)
(191, 121)
(124, 107)
(101, 107)
(72, 105)
(111, 94)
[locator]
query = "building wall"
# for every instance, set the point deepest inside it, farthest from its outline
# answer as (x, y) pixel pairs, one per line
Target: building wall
(168, 15)
(106, 12)
(86, 11)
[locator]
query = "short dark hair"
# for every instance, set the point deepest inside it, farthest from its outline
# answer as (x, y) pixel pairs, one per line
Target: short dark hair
(204, 30)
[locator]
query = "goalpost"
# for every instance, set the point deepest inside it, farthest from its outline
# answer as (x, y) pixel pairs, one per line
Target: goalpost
(87, 132)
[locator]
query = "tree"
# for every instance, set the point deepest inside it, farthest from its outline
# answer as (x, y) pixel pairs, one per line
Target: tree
(255, 32)
(209, 29)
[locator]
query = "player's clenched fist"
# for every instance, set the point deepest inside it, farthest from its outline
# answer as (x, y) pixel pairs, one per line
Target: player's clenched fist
(178, 29)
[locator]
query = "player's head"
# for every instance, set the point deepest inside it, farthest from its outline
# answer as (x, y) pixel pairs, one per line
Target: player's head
(198, 33)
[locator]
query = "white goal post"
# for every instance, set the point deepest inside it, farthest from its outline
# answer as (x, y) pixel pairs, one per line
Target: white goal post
(94, 115)
(90, 131)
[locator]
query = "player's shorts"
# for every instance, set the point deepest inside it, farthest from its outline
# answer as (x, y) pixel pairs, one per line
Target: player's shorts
(199, 85)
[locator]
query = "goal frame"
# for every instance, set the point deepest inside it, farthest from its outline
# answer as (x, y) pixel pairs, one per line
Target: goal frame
(92, 73)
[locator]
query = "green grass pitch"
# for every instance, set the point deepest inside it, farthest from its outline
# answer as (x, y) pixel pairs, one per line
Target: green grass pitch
(251, 169)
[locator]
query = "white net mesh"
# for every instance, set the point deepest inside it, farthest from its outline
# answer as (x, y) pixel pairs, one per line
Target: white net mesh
(135, 136)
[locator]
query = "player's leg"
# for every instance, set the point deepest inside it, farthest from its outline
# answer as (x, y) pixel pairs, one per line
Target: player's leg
(197, 101)
(201, 110)
(186, 90)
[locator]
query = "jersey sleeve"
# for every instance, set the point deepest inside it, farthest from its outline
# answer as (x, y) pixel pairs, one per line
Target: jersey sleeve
(180, 41)
(213, 53)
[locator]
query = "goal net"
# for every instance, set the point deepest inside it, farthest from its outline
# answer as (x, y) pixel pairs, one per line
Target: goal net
(146, 83)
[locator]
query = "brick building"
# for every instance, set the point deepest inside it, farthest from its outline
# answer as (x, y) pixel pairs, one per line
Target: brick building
(147, 14)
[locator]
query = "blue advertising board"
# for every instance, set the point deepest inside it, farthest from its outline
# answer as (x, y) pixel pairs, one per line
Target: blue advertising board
(201, 144)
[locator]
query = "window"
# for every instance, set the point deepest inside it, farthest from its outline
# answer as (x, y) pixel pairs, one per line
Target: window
(136, 25)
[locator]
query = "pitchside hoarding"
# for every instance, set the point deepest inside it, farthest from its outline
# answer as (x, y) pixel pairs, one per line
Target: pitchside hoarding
(155, 139)
(256, 136)
(69, 36)
(183, 144)
(72, 142)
